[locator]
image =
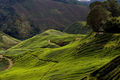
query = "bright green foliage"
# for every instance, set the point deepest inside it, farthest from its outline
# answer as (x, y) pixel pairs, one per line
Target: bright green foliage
(48, 39)
(73, 61)
(109, 71)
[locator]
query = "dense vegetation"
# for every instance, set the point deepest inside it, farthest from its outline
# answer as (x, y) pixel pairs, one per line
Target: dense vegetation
(11, 23)
(104, 14)
(3, 64)
(25, 18)
(77, 28)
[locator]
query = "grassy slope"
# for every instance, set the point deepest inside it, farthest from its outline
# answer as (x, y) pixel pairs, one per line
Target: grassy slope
(7, 41)
(71, 62)
(110, 71)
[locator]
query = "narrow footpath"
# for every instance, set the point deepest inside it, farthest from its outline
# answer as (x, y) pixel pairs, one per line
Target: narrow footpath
(9, 61)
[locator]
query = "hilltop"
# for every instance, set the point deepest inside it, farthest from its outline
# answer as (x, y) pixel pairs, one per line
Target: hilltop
(6, 42)
(75, 60)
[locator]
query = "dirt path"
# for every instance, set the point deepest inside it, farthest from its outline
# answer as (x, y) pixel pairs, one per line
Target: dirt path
(9, 61)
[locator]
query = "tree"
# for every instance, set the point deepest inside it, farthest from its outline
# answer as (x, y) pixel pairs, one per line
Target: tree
(97, 15)
(114, 7)
(94, 4)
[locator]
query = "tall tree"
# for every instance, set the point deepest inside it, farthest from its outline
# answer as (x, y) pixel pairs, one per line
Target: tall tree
(114, 8)
(96, 3)
(97, 15)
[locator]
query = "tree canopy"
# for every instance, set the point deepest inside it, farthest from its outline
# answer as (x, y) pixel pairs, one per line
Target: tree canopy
(112, 25)
(102, 14)
(114, 7)
(97, 15)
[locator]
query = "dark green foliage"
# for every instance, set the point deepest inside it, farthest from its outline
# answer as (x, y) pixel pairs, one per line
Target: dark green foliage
(100, 14)
(114, 7)
(94, 4)
(3, 64)
(77, 28)
(11, 23)
(25, 18)
(112, 25)
(17, 27)
(97, 15)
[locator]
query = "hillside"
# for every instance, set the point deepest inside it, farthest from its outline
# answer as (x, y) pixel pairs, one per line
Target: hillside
(75, 2)
(24, 18)
(48, 39)
(46, 14)
(73, 61)
(110, 71)
(6, 41)
(77, 28)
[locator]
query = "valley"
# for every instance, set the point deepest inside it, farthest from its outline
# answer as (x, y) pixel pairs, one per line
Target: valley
(59, 40)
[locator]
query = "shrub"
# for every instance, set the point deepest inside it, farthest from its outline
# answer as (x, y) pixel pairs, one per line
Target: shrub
(112, 25)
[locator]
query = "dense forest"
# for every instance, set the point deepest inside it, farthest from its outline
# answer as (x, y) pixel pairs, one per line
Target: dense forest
(25, 18)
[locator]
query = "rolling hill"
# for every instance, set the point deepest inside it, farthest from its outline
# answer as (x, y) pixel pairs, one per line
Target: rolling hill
(7, 41)
(25, 18)
(76, 59)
